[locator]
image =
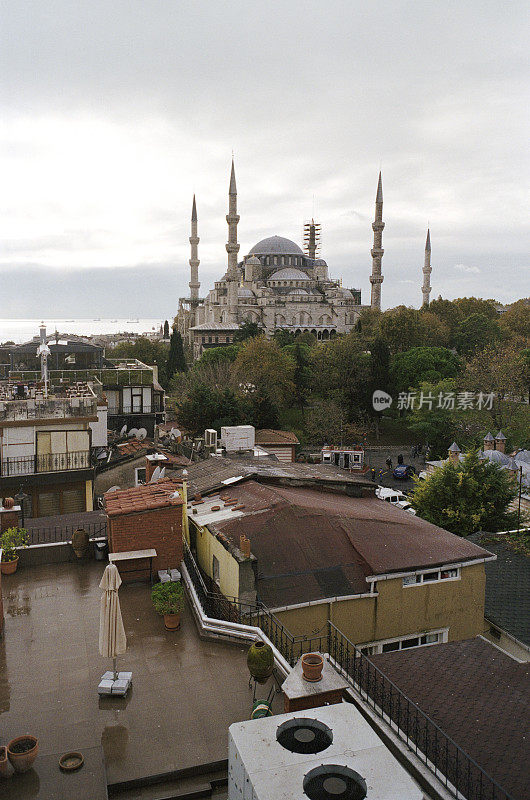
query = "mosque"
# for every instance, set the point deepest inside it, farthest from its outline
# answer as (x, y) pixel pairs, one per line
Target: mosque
(278, 286)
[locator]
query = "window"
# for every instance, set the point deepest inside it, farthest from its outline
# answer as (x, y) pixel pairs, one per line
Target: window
(136, 394)
(432, 576)
(404, 642)
(215, 570)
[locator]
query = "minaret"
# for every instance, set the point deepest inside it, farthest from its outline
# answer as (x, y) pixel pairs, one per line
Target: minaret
(194, 260)
(376, 279)
(232, 247)
(426, 288)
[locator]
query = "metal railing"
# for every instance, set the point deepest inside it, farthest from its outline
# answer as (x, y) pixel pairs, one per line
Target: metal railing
(451, 765)
(51, 462)
(63, 533)
(118, 376)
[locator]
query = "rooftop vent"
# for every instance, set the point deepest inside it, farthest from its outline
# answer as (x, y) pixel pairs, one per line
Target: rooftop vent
(304, 735)
(334, 782)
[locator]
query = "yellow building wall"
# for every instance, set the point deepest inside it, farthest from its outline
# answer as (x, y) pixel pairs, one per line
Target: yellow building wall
(88, 496)
(398, 610)
(209, 546)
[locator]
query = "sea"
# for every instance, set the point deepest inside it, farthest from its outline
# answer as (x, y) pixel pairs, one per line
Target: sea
(23, 330)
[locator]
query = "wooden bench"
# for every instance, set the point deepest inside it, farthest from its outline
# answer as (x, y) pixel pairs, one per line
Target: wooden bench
(134, 555)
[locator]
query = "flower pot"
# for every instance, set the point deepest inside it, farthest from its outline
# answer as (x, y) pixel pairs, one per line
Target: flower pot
(80, 542)
(260, 661)
(22, 752)
(9, 567)
(5, 769)
(172, 622)
(312, 665)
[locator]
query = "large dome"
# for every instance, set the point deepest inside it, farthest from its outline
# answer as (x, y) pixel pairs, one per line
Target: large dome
(289, 274)
(276, 246)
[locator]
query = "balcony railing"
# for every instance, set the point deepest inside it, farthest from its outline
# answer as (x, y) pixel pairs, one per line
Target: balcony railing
(120, 376)
(51, 462)
(60, 408)
(457, 771)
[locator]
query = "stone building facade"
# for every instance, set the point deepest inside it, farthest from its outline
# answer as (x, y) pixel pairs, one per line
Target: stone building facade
(276, 285)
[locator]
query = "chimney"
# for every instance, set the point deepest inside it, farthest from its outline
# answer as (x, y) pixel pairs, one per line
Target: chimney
(244, 546)
(488, 441)
(500, 442)
(151, 463)
(454, 454)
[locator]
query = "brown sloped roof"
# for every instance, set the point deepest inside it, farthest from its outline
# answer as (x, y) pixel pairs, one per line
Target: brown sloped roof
(269, 436)
(478, 696)
(312, 544)
(143, 498)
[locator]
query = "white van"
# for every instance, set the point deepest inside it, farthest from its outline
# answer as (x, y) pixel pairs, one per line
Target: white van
(393, 496)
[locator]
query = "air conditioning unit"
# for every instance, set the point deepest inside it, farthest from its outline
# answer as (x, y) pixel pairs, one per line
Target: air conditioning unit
(238, 437)
(321, 754)
(210, 437)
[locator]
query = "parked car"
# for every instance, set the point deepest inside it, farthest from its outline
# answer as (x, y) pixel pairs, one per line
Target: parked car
(403, 472)
(404, 505)
(393, 496)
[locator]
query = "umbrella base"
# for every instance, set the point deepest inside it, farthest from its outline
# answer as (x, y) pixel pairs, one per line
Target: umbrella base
(116, 684)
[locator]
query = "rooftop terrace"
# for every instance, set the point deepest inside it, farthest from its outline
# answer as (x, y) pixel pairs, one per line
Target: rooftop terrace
(186, 691)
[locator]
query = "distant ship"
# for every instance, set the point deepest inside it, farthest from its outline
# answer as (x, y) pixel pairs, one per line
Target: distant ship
(114, 320)
(98, 319)
(132, 320)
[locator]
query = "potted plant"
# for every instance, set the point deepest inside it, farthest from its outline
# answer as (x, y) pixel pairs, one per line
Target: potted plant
(260, 661)
(168, 600)
(9, 541)
(5, 769)
(22, 752)
(312, 664)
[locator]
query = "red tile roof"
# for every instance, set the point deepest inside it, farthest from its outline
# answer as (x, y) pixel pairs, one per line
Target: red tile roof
(268, 436)
(143, 498)
(133, 447)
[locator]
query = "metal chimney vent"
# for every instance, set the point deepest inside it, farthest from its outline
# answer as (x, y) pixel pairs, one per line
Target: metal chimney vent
(334, 782)
(301, 735)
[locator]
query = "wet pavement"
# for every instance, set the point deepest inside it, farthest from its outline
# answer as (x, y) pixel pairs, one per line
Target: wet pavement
(185, 694)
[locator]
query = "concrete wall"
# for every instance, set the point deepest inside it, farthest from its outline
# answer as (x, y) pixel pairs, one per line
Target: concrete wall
(207, 547)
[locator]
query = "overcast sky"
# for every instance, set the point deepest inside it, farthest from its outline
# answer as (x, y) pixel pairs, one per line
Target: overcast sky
(115, 112)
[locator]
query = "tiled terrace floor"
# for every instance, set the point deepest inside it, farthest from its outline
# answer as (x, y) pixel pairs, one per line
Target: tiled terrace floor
(186, 691)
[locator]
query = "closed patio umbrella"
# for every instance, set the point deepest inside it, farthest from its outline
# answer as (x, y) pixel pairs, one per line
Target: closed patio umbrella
(112, 639)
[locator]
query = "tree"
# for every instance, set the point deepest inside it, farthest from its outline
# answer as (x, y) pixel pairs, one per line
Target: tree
(430, 421)
(448, 313)
(403, 328)
(150, 352)
(263, 413)
(423, 364)
(283, 337)
(166, 329)
(218, 355)
(516, 319)
(475, 333)
(301, 354)
(176, 361)
(198, 409)
(326, 424)
(475, 305)
(261, 366)
(468, 497)
(247, 330)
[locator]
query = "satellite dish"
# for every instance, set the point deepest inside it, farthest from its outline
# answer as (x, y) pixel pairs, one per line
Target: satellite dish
(174, 433)
(123, 430)
(162, 472)
(142, 434)
(113, 489)
(102, 454)
(155, 476)
(132, 432)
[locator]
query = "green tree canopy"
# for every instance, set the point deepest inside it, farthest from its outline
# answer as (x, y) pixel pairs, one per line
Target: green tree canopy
(466, 498)
(176, 360)
(247, 330)
(475, 305)
(148, 351)
(262, 366)
(403, 328)
(422, 364)
(475, 333)
(516, 319)
(218, 355)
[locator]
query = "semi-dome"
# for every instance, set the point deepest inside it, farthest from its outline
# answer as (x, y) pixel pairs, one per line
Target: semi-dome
(276, 246)
(289, 274)
(298, 291)
(244, 292)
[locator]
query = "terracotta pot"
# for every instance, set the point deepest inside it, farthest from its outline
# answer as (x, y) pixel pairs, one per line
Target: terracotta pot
(172, 622)
(260, 661)
(23, 761)
(312, 665)
(9, 567)
(80, 542)
(9, 502)
(5, 769)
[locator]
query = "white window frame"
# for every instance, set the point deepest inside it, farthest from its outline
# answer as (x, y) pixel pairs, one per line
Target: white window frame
(374, 648)
(419, 579)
